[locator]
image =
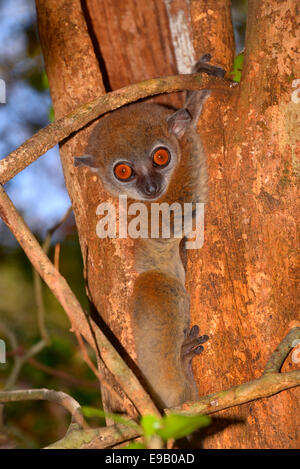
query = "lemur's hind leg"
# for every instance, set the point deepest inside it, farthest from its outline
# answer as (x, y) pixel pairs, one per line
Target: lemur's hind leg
(192, 346)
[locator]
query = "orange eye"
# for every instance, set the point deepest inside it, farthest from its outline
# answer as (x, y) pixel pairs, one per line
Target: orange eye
(123, 171)
(161, 157)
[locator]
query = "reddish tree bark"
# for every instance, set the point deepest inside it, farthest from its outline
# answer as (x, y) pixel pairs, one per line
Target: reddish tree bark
(243, 281)
(133, 40)
(212, 30)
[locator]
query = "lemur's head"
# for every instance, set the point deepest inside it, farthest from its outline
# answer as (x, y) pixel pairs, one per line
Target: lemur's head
(135, 150)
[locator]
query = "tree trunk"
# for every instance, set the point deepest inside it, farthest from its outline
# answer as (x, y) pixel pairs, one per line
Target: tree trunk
(243, 281)
(74, 63)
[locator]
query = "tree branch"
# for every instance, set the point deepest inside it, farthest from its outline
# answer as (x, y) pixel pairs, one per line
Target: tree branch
(270, 383)
(49, 136)
(19, 361)
(99, 438)
(265, 386)
(277, 358)
(62, 375)
(61, 398)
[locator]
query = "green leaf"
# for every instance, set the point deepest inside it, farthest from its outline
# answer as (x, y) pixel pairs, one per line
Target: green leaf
(135, 446)
(94, 412)
(237, 68)
(151, 424)
(37, 79)
(45, 81)
(178, 426)
(51, 116)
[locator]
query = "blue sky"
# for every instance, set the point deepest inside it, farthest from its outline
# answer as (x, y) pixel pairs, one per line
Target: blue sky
(38, 191)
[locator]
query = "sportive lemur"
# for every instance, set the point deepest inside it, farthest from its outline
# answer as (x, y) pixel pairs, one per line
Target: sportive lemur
(152, 154)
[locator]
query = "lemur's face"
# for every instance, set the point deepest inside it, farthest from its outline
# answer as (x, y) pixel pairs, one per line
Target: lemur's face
(142, 174)
(135, 150)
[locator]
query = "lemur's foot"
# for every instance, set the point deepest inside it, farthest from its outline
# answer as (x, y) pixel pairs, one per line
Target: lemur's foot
(202, 65)
(192, 344)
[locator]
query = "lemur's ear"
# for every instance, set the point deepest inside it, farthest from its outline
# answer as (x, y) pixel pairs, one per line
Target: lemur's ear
(195, 103)
(196, 99)
(189, 115)
(178, 122)
(85, 160)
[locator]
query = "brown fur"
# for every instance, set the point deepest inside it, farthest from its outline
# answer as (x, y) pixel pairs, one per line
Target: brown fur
(159, 319)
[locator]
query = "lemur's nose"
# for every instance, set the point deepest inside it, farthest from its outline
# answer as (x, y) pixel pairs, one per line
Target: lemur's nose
(151, 188)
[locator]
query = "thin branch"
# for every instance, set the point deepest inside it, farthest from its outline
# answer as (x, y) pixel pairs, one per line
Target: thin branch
(61, 398)
(18, 360)
(43, 265)
(97, 372)
(45, 341)
(277, 358)
(19, 351)
(55, 132)
(21, 360)
(10, 335)
(99, 438)
(51, 231)
(265, 386)
(57, 225)
(38, 281)
(40, 307)
(63, 375)
(60, 288)
(56, 255)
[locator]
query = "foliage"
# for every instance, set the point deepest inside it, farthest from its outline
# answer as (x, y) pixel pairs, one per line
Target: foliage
(168, 427)
(173, 426)
(237, 67)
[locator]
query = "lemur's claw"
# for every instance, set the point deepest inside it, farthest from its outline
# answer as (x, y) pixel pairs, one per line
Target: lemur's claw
(191, 344)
